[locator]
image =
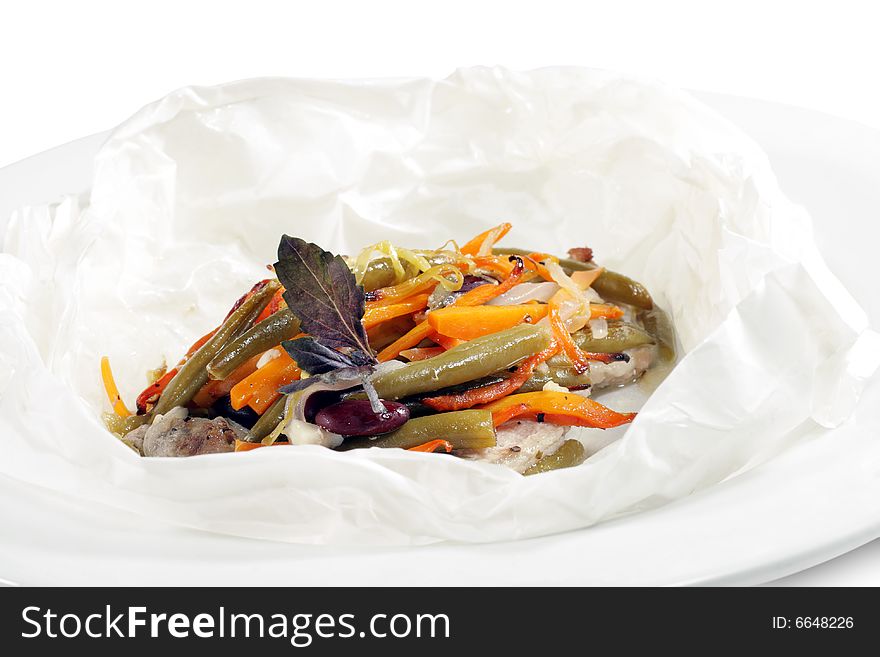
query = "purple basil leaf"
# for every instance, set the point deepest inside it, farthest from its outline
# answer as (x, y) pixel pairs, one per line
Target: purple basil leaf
(334, 376)
(316, 358)
(321, 290)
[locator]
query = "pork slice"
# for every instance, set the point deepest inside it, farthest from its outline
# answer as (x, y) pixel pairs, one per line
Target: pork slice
(619, 373)
(519, 444)
(177, 435)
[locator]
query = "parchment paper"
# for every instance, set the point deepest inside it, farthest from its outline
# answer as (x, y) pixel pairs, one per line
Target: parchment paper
(190, 197)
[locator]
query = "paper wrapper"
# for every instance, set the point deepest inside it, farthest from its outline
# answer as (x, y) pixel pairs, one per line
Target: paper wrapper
(191, 195)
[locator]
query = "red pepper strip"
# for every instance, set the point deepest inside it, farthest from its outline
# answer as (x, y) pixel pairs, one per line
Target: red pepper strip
(476, 297)
(432, 446)
(244, 297)
(506, 414)
(562, 408)
(472, 248)
(276, 304)
(490, 393)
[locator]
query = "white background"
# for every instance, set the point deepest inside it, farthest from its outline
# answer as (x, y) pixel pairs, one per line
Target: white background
(70, 69)
(74, 68)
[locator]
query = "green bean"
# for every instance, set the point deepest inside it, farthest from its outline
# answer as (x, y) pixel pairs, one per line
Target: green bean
(563, 376)
(622, 289)
(380, 273)
(132, 422)
(492, 379)
(610, 285)
(466, 362)
(268, 421)
(470, 429)
(115, 423)
(658, 324)
(621, 336)
(613, 286)
(194, 373)
(269, 333)
(571, 453)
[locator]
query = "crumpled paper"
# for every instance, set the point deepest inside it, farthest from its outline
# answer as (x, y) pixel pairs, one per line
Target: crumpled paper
(190, 197)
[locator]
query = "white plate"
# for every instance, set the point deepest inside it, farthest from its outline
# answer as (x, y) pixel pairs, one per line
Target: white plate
(813, 503)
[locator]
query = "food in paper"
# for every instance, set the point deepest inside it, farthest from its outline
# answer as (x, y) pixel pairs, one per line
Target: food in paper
(483, 352)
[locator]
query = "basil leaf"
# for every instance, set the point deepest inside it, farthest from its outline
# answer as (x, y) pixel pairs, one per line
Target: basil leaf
(321, 290)
(349, 374)
(315, 357)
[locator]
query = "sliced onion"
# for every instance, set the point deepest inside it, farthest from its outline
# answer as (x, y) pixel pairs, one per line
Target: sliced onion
(526, 292)
(599, 328)
(271, 354)
(295, 411)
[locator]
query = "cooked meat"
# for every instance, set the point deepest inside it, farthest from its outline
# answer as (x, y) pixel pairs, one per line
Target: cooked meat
(135, 439)
(519, 443)
(174, 434)
(616, 374)
(581, 254)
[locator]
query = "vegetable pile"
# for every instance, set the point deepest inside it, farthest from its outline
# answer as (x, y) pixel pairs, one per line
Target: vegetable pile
(438, 351)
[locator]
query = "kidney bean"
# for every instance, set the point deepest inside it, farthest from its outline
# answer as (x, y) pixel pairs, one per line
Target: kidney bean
(355, 417)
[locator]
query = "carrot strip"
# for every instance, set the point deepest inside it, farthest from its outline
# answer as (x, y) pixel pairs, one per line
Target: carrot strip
(406, 341)
(445, 342)
(214, 390)
(467, 323)
(578, 358)
(116, 402)
(260, 389)
(242, 446)
(484, 293)
(477, 296)
(498, 265)
(432, 446)
(534, 262)
(490, 393)
(604, 310)
(421, 353)
(487, 238)
(562, 408)
(375, 314)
